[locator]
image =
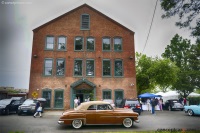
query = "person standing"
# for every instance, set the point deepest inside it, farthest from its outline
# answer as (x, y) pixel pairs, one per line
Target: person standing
(185, 101)
(160, 102)
(148, 105)
(153, 104)
(38, 109)
(75, 102)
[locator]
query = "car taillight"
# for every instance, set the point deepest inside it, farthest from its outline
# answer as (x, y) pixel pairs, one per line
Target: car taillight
(126, 106)
(138, 106)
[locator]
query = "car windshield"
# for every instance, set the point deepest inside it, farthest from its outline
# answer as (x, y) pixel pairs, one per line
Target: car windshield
(29, 101)
(5, 101)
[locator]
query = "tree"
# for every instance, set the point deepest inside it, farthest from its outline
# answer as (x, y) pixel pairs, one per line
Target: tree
(143, 63)
(188, 12)
(186, 57)
(153, 72)
(164, 73)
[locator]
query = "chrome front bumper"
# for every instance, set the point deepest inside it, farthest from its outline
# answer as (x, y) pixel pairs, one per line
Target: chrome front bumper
(137, 121)
(60, 122)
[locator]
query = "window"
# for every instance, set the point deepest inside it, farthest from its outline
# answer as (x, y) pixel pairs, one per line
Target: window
(61, 43)
(78, 44)
(60, 67)
(90, 44)
(106, 67)
(49, 43)
(106, 94)
(85, 22)
(119, 95)
(106, 44)
(89, 67)
(47, 95)
(58, 100)
(48, 64)
(78, 67)
(118, 68)
(118, 44)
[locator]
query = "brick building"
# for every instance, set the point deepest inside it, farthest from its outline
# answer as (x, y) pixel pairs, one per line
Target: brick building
(82, 53)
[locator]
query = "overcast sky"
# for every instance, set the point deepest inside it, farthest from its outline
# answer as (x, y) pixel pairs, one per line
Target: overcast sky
(19, 17)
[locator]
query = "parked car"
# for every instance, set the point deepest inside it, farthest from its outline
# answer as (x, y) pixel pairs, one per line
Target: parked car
(11, 105)
(98, 113)
(133, 104)
(192, 110)
(110, 101)
(28, 107)
(173, 104)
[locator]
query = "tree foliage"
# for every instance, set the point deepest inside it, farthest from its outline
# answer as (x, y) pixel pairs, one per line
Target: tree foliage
(188, 12)
(186, 57)
(154, 72)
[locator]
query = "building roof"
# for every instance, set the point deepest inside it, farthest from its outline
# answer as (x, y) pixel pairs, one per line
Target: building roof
(83, 5)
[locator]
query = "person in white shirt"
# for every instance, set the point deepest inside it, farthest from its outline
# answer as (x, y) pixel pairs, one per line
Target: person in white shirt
(75, 102)
(148, 105)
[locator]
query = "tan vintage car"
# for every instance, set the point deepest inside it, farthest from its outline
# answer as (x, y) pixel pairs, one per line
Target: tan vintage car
(98, 113)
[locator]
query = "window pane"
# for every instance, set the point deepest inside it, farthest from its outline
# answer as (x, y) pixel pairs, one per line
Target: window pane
(47, 96)
(106, 94)
(58, 99)
(60, 67)
(85, 21)
(106, 43)
(117, 44)
(90, 44)
(78, 68)
(118, 98)
(61, 43)
(49, 42)
(118, 68)
(106, 68)
(78, 43)
(90, 67)
(48, 67)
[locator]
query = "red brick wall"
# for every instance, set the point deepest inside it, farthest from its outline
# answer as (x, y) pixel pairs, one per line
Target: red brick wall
(69, 26)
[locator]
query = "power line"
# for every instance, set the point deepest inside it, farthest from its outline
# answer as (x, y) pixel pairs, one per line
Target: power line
(150, 27)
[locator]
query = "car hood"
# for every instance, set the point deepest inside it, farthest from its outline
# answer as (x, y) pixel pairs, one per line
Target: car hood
(2, 106)
(28, 105)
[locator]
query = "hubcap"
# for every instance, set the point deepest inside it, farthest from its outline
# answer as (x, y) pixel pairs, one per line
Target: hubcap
(127, 122)
(77, 123)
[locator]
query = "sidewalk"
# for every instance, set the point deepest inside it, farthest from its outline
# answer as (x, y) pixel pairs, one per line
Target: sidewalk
(51, 112)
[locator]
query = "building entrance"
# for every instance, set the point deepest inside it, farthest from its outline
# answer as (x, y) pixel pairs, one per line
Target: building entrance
(84, 95)
(84, 90)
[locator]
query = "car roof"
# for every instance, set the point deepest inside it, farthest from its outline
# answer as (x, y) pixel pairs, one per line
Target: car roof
(85, 105)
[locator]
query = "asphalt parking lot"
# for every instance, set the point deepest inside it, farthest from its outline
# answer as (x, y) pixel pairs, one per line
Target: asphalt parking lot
(163, 120)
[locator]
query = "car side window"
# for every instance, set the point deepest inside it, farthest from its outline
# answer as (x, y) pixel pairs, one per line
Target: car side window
(92, 107)
(104, 107)
(15, 102)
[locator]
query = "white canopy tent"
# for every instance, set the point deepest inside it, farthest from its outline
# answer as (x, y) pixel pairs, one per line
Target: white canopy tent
(174, 95)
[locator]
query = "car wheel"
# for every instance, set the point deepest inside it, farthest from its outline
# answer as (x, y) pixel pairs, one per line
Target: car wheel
(18, 113)
(127, 122)
(77, 123)
(7, 112)
(190, 112)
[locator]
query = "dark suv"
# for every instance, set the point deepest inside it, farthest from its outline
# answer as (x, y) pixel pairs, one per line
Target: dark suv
(28, 107)
(11, 105)
(132, 104)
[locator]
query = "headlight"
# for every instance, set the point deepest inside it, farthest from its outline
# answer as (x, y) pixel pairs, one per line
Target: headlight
(19, 107)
